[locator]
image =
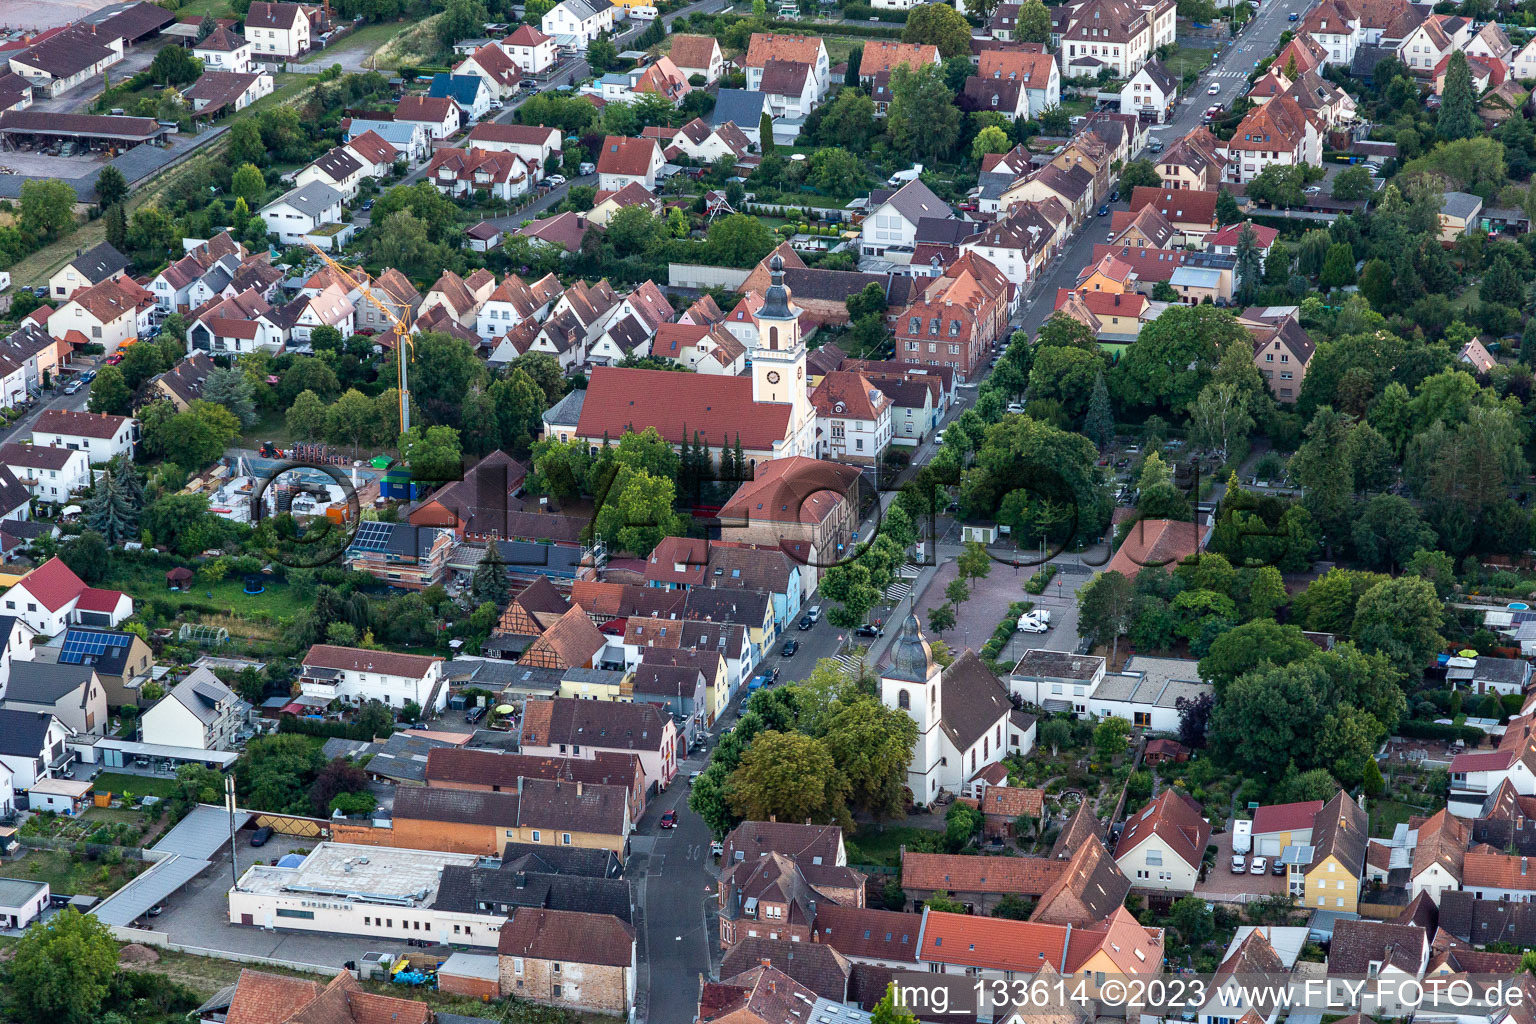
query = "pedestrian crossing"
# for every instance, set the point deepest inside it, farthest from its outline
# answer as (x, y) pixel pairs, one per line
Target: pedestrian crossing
(849, 663)
(908, 571)
(1229, 74)
(898, 591)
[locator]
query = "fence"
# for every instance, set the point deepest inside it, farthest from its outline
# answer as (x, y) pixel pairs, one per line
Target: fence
(293, 825)
(94, 851)
(683, 275)
(160, 940)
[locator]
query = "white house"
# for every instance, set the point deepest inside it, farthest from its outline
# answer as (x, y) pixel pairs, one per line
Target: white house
(48, 473)
(472, 94)
(107, 314)
(623, 161)
(220, 92)
(1151, 90)
(531, 50)
(1056, 680)
(339, 169)
(853, 418)
(1146, 694)
(71, 693)
(580, 20)
(492, 64)
(893, 216)
(1524, 64)
(409, 138)
(568, 727)
(767, 47)
(439, 115)
(303, 211)
(93, 266)
(513, 302)
(965, 721)
(32, 746)
(697, 55)
(197, 712)
(51, 597)
(224, 50)
(277, 29)
(1162, 846)
(22, 900)
(789, 88)
(375, 154)
(100, 436)
(1484, 675)
(67, 60)
(355, 676)
(1476, 774)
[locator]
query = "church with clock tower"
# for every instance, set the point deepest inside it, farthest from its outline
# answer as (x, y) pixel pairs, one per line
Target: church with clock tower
(778, 362)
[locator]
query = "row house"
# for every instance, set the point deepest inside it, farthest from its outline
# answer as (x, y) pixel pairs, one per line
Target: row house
(496, 68)
(892, 216)
(461, 173)
(661, 78)
(1279, 132)
(1328, 105)
(702, 348)
(1197, 161)
(1072, 187)
(957, 318)
(330, 308)
(109, 314)
(34, 350)
(1116, 34)
(1436, 38)
(513, 302)
(1192, 214)
(236, 326)
(1340, 27)
(566, 727)
(704, 143)
(1115, 318)
(459, 297)
(916, 404)
(356, 676)
(1019, 243)
(1150, 92)
(1484, 72)
(533, 52)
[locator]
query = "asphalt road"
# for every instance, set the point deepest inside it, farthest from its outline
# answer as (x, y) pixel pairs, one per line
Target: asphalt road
(1230, 76)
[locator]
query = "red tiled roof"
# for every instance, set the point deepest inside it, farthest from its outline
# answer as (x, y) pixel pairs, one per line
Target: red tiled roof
(766, 46)
(93, 599)
(1176, 820)
(432, 109)
(960, 873)
(53, 583)
(1180, 206)
(1263, 235)
(262, 998)
(357, 659)
(693, 51)
(993, 942)
(1285, 817)
(567, 936)
(719, 408)
(1154, 543)
(631, 157)
(526, 35)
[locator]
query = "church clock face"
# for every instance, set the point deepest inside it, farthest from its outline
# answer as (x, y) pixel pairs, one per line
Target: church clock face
(773, 376)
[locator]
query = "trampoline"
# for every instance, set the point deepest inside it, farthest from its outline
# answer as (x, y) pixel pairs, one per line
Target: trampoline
(254, 584)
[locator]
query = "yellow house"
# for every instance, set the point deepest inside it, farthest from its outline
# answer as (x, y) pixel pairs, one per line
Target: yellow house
(1110, 275)
(1339, 837)
(751, 609)
(595, 684)
(716, 681)
(1118, 947)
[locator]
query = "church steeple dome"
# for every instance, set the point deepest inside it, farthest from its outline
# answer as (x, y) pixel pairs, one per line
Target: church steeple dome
(776, 299)
(911, 657)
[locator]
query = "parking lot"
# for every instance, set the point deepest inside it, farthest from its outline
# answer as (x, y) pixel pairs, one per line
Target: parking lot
(1220, 881)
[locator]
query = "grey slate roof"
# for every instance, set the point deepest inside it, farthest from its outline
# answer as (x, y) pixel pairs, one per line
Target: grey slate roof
(584, 9)
(914, 201)
(22, 732)
(99, 263)
(567, 411)
(36, 682)
(738, 105)
(560, 860)
(1461, 204)
(312, 199)
(1161, 76)
(201, 693)
(1502, 670)
(468, 890)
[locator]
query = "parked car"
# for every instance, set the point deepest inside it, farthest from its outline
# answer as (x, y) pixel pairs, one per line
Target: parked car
(367, 205)
(790, 647)
(114, 358)
(806, 622)
(1277, 868)
(814, 613)
(868, 630)
(1029, 624)
(72, 387)
(1292, 17)
(1015, 407)
(668, 819)
(716, 848)
(1114, 196)
(1260, 866)
(261, 835)
(555, 180)
(693, 777)
(1239, 863)
(1155, 146)
(1104, 210)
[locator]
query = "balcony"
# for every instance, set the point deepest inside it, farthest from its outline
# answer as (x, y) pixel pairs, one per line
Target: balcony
(320, 682)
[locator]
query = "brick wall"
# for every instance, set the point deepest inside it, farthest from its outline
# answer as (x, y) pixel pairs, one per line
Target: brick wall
(582, 986)
(474, 988)
(417, 834)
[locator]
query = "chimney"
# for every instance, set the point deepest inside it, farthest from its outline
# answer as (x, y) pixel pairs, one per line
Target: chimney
(578, 787)
(766, 962)
(773, 817)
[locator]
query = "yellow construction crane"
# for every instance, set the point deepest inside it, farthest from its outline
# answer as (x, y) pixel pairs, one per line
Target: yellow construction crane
(404, 346)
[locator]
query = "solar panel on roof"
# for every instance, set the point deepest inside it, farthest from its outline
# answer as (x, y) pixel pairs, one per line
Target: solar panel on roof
(373, 536)
(80, 645)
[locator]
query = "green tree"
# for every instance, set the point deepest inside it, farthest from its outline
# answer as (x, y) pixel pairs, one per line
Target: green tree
(110, 393)
(837, 172)
(1099, 426)
(432, 453)
(886, 1011)
(602, 55)
(111, 512)
(1066, 375)
(1338, 267)
(941, 618)
(111, 186)
(922, 119)
(63, 971)
(1137, 173)
(941, 25)
(1227, 210)
(47, 207)
(461, 19)
(737, 240)
(1104, 608)
(1401, 618)
(195, 437)
(849, 121)
(851, 73)
(1110, 738)
(1249, 268)
(175, 65)
(1219, 418)
(232, 388)
(248, 183)
(990, 139)
(1173, 356)
(941, 903)
(871, 745)
(306, 417)
(1034, 22)
(1458, 106)
(88, 556)
(788, 776)
(245, 145)
(1194, 921)
(1353, 183)
(962, 824)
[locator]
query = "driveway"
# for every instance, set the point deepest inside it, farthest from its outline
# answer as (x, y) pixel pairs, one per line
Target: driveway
(1221, 882)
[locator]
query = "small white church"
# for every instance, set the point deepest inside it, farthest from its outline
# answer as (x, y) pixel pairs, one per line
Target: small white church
(965, 719)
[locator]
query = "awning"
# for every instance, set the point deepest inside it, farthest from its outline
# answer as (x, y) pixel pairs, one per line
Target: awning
(150, 889)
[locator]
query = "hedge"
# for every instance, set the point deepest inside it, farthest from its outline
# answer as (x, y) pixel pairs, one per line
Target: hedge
(330, 730)
(1421, 730)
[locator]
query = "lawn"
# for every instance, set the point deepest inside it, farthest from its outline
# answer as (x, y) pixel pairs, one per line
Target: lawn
(881, 844)
(272, 426)
(1387, 814)
(277, 603)
(138, 785)
(1188, 59)
(67, 875)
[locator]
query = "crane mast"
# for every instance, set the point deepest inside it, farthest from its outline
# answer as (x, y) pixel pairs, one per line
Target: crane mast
(404, 346)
